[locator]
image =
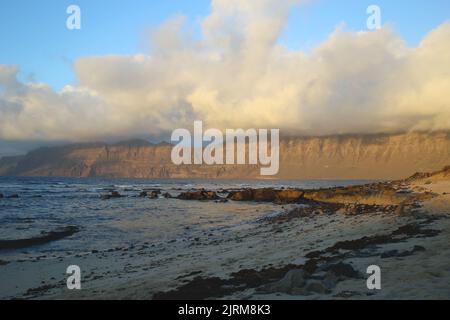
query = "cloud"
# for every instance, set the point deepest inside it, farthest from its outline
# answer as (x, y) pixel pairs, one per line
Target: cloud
(237, 75)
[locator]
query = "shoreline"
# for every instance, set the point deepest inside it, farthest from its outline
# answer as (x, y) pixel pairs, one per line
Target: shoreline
(316, 247)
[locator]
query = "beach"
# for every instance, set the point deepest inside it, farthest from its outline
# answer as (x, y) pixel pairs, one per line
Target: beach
(271, 242)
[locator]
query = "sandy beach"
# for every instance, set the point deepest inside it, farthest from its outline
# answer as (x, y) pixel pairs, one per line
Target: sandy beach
(316, 244)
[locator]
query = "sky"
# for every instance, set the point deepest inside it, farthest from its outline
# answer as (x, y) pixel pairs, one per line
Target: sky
(36, 39)
(144, 68)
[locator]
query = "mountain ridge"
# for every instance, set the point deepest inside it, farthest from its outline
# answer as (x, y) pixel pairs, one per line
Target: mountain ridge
(378, 156)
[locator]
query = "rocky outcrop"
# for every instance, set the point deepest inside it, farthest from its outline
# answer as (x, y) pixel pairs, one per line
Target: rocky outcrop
(259, 195)
(372, 194)
(340, 157)
(288, 196)
(425, 177)
(45, 237)
(266, 195)
(199, 195)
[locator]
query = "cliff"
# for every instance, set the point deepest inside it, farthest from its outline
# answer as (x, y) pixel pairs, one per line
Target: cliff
(341, 157)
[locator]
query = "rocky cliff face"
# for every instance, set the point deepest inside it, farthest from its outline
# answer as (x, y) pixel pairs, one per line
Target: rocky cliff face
(344, 157)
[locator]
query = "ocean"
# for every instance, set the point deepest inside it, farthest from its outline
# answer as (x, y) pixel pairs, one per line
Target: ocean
(128, 232)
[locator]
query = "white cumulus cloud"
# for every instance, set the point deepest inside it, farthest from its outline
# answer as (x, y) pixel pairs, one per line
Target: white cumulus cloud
(237, 75)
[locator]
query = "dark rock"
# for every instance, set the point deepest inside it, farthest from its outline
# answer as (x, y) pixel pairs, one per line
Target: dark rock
(167, 195)
(197, 289)
(222, 201)
(198, 195)
(41, 239)
(143, 194)
(112, 195)
(153, 195)
(1, 195)
(203, 288)
(288, 196)
(264, 195)
(13, 196)
(342, 270)
(243, 195)
(259, 195)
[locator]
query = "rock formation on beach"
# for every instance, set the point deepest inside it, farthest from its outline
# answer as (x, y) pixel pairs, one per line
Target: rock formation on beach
(421, 214)
(340, 157)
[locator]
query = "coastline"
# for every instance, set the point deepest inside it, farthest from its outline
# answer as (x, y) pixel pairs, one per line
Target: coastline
(316, 248)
